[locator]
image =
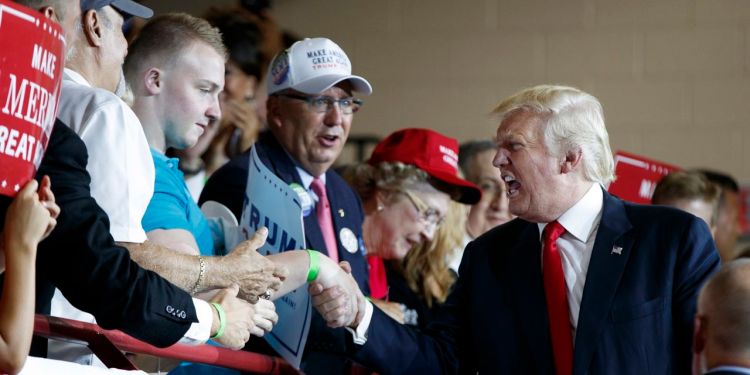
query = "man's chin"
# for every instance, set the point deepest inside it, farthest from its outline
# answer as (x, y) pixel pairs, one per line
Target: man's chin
(326, 157)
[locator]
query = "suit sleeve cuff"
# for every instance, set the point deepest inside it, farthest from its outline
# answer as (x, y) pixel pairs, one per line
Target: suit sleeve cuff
(199, 332)
(359, 336)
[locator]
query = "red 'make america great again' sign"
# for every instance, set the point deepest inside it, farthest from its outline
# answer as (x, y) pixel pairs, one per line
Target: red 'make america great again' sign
(637, 177)
(31, 65)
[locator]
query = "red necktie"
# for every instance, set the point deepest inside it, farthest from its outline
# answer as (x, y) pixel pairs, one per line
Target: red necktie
(323, 212)
(555, 292)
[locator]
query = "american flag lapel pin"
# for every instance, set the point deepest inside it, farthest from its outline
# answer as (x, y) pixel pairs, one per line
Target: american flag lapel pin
(617, 250)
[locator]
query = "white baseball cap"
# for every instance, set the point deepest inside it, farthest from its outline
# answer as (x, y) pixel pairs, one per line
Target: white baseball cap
(312, 66)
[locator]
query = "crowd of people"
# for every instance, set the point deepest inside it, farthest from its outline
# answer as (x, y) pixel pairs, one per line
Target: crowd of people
(503, 255)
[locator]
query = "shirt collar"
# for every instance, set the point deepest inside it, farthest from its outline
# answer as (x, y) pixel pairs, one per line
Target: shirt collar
(171, 163)
(581, 219)
(75, 77)
(307, 178)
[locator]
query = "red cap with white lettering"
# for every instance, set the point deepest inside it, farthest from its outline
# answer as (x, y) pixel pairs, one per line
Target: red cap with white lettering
(432, 152)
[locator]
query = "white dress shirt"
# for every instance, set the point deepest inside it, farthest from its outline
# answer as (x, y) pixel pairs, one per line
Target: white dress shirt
(581, 223)
(307, 180)
(120, 164)
(737, 369)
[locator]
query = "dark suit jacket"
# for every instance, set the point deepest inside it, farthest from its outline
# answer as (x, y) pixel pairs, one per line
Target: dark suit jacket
(636, 310)
(81, 259)
(325, 346)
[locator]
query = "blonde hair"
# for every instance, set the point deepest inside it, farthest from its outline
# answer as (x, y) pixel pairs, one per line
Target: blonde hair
(368, 179)
(164, 37)
(689, 185)
(574, 119)
(425, 267)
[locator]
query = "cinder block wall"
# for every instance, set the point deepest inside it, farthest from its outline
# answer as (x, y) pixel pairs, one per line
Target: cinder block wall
(673, 75)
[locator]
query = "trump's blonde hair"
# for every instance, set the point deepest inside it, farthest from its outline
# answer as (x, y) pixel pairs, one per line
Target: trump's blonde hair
(574, 120)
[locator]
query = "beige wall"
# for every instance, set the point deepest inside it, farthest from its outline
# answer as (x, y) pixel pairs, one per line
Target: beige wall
(673, 75)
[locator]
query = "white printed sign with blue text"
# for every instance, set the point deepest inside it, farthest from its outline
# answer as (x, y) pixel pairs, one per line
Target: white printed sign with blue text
(271, 203)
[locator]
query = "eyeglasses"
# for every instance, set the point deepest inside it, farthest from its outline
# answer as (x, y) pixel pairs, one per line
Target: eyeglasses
(324, 104)
(430, 216)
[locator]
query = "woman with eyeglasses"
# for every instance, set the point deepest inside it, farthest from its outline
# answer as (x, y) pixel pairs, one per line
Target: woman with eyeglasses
(423, 279)
(405, 187)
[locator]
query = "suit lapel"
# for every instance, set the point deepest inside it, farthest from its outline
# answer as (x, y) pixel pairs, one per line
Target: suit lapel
(338, 215)
(609, 257)
(527, 286)
(313, 234)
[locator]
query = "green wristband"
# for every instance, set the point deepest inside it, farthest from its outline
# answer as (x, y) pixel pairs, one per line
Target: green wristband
(312, 272)
(222, 320)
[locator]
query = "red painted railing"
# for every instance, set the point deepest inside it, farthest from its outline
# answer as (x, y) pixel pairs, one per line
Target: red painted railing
(109, 344)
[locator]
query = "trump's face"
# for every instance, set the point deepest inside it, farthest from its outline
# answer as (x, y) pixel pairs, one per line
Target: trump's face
(530, 172)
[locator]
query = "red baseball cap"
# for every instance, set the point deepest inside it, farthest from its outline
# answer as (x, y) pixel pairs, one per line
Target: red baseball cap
(430, 151)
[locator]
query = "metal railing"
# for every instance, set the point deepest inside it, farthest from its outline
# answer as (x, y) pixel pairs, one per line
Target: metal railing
(109, 345)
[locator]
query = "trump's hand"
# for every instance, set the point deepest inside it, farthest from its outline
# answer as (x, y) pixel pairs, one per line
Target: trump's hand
(336, 295)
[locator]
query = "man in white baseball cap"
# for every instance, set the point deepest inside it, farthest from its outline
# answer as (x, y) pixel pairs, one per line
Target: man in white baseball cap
(310, 110)
(312, 66)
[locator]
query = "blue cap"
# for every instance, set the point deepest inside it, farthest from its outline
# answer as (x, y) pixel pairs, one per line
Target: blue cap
(126, 7)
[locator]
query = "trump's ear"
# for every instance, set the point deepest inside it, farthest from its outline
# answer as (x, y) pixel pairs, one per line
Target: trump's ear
(572, 160)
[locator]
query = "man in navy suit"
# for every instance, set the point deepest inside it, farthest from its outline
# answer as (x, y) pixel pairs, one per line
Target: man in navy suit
(310, 111)
(722, 324)
(610, 289)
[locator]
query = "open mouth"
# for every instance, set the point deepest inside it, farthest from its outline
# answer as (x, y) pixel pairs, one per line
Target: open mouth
(512, 185)
(328, 140)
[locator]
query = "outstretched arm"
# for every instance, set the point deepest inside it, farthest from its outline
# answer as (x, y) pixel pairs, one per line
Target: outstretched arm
(244, 266)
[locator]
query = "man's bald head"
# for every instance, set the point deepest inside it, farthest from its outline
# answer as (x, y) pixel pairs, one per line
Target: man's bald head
(723, 316)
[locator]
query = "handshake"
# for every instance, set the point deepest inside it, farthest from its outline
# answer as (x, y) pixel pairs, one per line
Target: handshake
(244, 308)
(336, 295)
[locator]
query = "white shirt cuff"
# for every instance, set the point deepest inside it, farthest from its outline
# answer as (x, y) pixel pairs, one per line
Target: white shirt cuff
(199, 332)
(359, 336)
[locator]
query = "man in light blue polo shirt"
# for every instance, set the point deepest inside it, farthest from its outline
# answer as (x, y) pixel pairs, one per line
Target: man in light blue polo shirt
(172, 207)
(177, 102)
